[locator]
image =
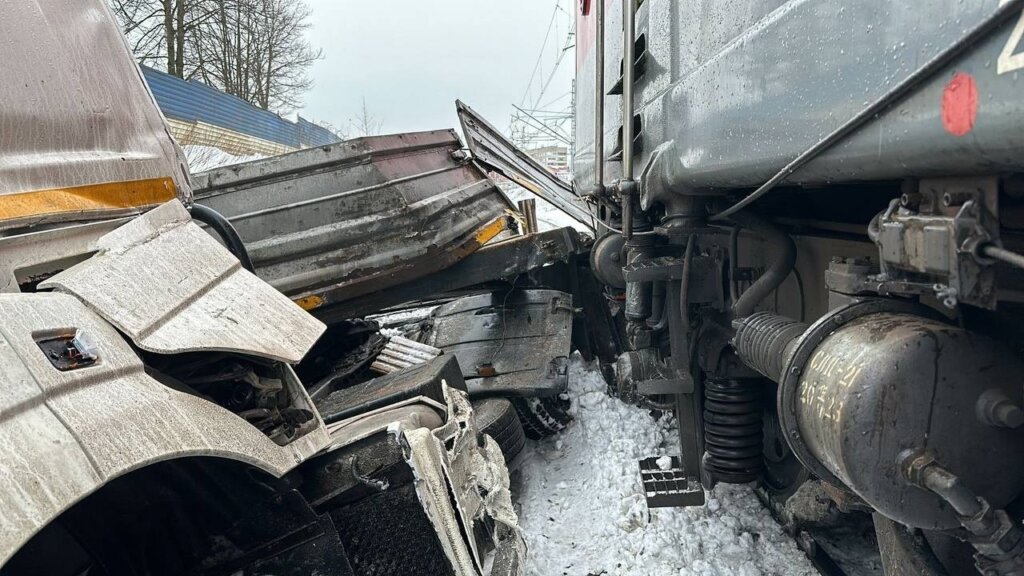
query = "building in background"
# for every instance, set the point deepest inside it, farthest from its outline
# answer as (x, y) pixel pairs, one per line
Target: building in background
(202, 116)
(555, 159)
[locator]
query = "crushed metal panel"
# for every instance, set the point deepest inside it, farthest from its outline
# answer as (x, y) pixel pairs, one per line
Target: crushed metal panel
(461, 484)
(493, 150)
(80, 135)
(172, 288)
(509, 342)
(330, 223)
(66, 432)
(500, 260)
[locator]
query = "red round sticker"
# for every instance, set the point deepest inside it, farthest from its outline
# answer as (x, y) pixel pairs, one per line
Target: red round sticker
(960, 104)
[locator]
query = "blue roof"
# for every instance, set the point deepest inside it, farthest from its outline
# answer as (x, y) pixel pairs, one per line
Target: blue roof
(191, 101)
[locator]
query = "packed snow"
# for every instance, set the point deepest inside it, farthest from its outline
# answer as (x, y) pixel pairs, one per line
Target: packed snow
(583, 512)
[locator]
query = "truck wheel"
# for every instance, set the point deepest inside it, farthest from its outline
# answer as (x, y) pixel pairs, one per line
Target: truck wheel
(543, 417)
(497, 418)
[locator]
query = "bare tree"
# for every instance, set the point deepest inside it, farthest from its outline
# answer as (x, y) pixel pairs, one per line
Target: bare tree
(365, 124)
(158, 30)
(283, 73)
(253, 49)
(257, 50)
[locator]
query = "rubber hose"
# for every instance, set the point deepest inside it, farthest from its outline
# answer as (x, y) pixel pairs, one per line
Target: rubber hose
(779, 270)
(226, 231)
(875, 228)
(1003, 255)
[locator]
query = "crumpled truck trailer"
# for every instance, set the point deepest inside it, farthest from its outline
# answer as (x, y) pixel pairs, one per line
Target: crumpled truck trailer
(152, 421)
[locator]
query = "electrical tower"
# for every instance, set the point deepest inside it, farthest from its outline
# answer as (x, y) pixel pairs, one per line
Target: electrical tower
(543, 121)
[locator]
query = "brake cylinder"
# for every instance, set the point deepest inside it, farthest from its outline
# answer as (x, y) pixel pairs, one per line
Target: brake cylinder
(879, 377)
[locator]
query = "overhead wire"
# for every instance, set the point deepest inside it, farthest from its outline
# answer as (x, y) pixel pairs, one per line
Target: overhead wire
(540, 57)
(521, 130)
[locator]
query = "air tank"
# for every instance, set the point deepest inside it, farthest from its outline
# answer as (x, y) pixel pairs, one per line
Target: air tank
(873, 380)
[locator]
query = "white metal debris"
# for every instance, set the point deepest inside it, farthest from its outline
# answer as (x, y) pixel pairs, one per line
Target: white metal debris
(464, 487)
(65, 433)
(172, 288)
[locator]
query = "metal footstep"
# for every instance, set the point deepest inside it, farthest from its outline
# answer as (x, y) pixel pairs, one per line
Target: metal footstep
(671, 487)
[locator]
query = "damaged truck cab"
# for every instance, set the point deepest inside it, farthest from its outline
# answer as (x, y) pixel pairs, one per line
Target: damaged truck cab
(151, 421)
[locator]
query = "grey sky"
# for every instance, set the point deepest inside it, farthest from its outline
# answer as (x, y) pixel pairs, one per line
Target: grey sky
(411, 59)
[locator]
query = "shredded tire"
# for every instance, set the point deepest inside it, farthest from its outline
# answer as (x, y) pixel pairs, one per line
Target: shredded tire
(543, 417)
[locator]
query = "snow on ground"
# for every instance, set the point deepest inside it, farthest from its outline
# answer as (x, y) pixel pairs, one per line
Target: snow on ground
(583, 511)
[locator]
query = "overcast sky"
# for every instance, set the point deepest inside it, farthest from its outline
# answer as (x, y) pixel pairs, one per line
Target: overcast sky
(411, 59)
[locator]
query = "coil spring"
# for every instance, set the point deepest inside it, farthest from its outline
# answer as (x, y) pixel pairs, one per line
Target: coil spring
(733, 430)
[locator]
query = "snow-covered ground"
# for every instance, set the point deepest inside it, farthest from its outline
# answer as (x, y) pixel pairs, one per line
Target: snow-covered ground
(583, 511)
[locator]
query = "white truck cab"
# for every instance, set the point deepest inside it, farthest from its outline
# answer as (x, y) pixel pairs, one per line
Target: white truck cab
(150, 419)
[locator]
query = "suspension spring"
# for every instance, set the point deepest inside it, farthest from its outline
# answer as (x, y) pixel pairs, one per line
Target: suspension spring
(733, 433)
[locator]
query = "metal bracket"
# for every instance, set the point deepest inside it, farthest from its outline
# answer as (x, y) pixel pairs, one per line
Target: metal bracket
(928, 242)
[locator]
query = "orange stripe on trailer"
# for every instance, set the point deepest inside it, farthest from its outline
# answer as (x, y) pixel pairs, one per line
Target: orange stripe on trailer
(89, 198)
(488, 232)
(308, 303)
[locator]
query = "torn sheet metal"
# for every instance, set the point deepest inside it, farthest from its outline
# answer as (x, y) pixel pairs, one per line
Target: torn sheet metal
(511, 342)
(66, 432)
(499, 260)
(463, 487)
(494, 151)
(460, 477)
(172, 288)
(327, 224)
(81, 137)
